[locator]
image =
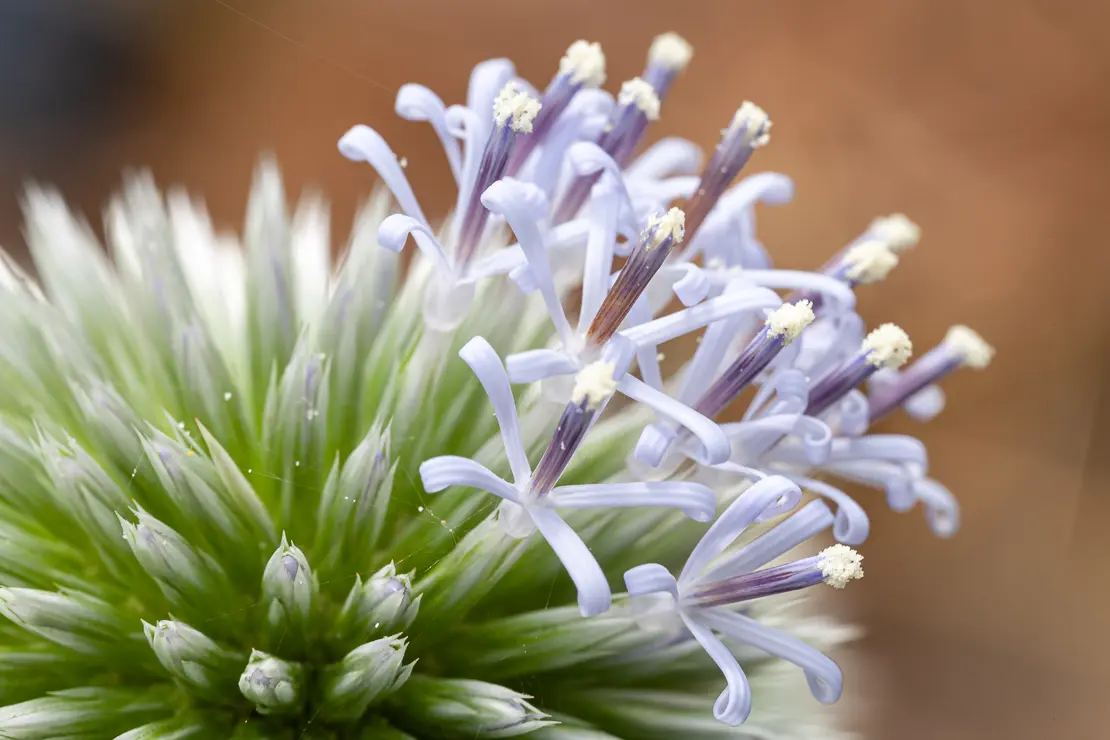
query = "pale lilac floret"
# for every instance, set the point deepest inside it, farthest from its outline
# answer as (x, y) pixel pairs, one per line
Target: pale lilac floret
(530, 500)
(711, 583)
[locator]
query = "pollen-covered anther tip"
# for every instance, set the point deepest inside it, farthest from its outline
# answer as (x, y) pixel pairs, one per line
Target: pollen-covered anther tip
(888, 346)
(788, 320)
(840, 564)
(641, 94)
(593, 384)
(754, 122)
(671, 51)
(671, 225)
(869, 261)
(515, 107)
(967, 343)
(584, 63)
(897, 230)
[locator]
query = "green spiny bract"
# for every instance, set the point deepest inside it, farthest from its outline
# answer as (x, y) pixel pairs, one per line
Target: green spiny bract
(211, 522)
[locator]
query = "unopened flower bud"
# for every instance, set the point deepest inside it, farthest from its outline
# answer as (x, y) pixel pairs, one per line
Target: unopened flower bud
(192, 657)
(474, 709)
(380, 605)
(364, 676)
(273, 684)
(288, 585)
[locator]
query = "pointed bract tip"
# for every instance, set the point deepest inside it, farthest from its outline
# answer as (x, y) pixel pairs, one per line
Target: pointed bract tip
(788, 320)
(671, 51)
(671, 224)
(754, 121)
(641, 94)
(966, 342)
(584, 63)
(840, 564)
(516, 108)
(869, 261)
(897, 230)
(593, 384)
(888, 346)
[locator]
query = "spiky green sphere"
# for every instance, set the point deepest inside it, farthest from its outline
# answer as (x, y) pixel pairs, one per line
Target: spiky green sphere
(211, 523)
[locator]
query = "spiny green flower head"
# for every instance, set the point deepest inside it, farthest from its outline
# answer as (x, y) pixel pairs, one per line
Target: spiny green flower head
(249, 492)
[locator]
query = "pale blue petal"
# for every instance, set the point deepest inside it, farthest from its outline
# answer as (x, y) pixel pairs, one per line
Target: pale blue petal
(695, 500)
(647, 356)
(486, 80)
(689, 282)
(534, 365)
(364, 144)
(599, 250)
(587, 158)
(523, 205)
(666, 158)
(418, 103)
(804, 524)
(941, 507)
(682, 322)
(895, 479)
(450, 470)
(395, 230)
(594, 596)
(926, 404)
(467, 125)
(486, 365)
(769, 497)
(825, 680)
(852, 525)
(735, 703)
(650, 578)
(715, 446)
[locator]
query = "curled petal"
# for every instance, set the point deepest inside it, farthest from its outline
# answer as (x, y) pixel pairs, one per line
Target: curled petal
(486, 365)
(450, 470)
(418, 103)
(395, 230)
(674, 325)
(653, 444)
(941, 507)
(807, 522)
(599, 251)
(926, 404)
(852, 525)
(825, 680)
(842, 296)
(790, 389)
(854, 413)
(715, 446)
(466, 125)
(768, 497)
(647, 355)
(691, 285)
(897, 480)
(486, 81)
(537, 364)
(665, 158)
(653, 195)
(594, 596)
(895, 448)
(364, 144)
(586, 159)
(523, 205)
(735, 703)
(650, 578)
(695, 500)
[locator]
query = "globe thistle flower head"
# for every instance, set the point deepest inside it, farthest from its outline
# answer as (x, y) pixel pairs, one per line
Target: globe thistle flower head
(248, 490)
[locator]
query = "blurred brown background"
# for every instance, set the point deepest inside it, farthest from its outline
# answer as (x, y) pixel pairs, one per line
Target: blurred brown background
(988, 121)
